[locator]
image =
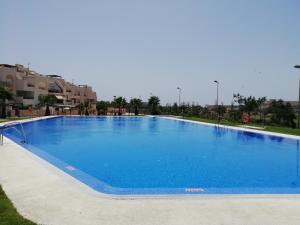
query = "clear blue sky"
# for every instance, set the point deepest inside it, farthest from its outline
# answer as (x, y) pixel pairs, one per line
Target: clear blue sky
(135, 47)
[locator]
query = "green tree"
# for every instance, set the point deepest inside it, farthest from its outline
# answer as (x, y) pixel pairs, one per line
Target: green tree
(153, 103)
(204, 112)
(233, 113)
(260, 103)
(282, 113)
(87, 107)
(47, 100)
(136, 103)
(175, 109)
(221, 110)
(101, 107)
(81, 108)
(120, 103)
(5, 94)
(246, 104)
(195, 110)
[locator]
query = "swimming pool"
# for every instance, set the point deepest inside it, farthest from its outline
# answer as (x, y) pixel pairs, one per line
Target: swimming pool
(152, 155)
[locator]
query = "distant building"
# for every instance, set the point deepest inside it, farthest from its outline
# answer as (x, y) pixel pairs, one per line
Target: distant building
(28, 85)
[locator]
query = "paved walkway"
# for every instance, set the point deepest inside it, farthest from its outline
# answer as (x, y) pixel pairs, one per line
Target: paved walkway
(48, 196)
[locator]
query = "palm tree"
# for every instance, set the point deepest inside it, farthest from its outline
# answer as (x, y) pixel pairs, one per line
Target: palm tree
(87, 106)
(120, 103)
(260, 103)
(47, 100)
(5, 94)
(81, 108)
(136, 103)
(101, 107)
(153, 103)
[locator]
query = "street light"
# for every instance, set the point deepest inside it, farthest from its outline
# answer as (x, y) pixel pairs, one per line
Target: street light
(179, 95)
(217, 82)
(298, 67)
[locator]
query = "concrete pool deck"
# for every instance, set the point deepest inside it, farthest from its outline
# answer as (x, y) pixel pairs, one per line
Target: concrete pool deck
(48, 196)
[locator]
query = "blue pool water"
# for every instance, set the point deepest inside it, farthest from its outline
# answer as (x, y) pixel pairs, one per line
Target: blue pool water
(151, 155)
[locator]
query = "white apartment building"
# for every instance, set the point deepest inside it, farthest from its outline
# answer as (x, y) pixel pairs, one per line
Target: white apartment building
(28, 85)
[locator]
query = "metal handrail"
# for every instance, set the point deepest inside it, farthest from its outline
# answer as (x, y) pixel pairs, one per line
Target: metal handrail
(13, 126)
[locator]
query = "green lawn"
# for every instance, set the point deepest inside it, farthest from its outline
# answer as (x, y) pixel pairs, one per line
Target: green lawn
(12, 119)
(8, 213)
(282, 130)
(229, 123)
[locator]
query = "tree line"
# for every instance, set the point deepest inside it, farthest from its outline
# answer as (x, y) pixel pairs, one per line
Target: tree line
(135, 106)
(276, 112)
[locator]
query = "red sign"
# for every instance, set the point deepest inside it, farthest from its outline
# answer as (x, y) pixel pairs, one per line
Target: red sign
(245, 118)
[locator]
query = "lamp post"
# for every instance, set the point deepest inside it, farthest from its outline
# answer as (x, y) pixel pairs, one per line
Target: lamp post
(298, 67)
(179, 96)
(218, 111)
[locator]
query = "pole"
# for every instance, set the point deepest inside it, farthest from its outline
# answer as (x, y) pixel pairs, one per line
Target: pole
(218, 103)
(298, 67)
(179, 93)
(218, 94)
(218, 110)
(179, 96)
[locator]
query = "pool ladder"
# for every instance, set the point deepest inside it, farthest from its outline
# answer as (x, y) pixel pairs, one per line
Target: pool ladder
(14, 126)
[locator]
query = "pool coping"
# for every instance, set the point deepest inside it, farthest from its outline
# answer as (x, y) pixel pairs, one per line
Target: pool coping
(106, 189)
